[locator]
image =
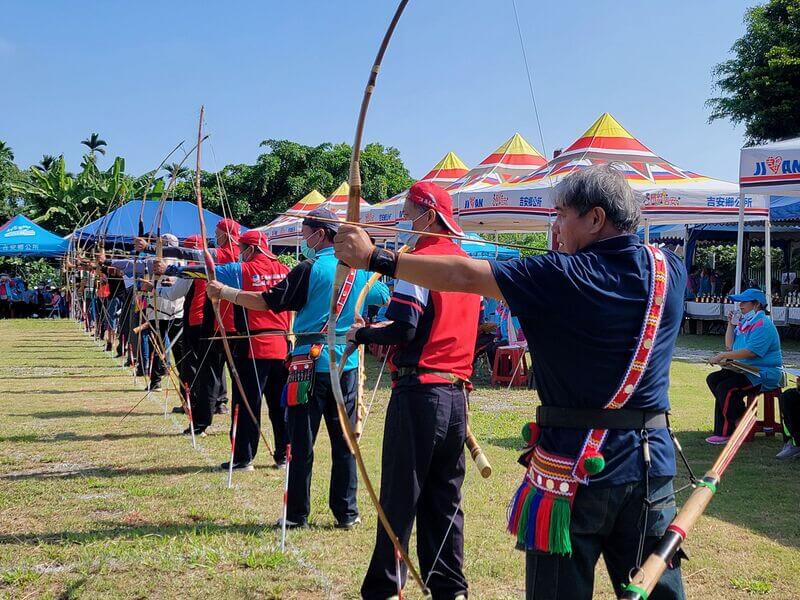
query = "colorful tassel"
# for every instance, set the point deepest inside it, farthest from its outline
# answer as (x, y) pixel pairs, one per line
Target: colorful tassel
(543, 514)
(560, 518)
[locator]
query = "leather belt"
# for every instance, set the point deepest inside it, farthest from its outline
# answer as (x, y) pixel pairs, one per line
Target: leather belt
(403, 372)
(600, 418)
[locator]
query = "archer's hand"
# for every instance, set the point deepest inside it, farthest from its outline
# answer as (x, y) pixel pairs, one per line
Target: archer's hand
(352, 246)
(159, 267)
(717, 358)
(140, 244)
(350, 336)
(214, 289)
(146, 286)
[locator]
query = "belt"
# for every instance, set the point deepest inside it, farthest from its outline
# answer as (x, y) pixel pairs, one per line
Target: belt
(403, 372)
(317, 338)
(600, 418)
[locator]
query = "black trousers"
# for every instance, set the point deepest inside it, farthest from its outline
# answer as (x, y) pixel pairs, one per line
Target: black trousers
(261, 378)
(168, 329)
(208, 387)
(790, 415)
(303, 423)
(729, 389)
(422, 470)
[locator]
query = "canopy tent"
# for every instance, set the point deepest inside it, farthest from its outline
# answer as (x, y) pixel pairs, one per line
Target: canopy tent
(120, 226)
(286, 229)
(22, 237)
(769, 169)
(670, 194)
(513, 159)
(444, 173)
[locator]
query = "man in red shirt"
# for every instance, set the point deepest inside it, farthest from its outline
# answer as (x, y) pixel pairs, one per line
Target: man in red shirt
(423, 445)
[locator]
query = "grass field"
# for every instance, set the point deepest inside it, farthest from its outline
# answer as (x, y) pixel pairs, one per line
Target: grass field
(91, 507)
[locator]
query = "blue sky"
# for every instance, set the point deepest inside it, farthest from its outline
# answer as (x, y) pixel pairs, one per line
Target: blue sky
(453, 79)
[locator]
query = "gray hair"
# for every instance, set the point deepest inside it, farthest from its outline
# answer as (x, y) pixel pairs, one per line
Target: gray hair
(603, 186)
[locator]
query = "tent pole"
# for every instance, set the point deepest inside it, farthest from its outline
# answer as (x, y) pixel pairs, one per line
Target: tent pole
(768, 261)
(739, 245)
(550, 234)
(646, 232)
(496, 247)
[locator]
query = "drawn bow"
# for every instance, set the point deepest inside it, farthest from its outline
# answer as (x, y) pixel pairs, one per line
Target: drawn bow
(210, 267)
(342, 271)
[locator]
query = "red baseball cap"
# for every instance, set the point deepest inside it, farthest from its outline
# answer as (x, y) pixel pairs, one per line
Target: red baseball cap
(229, 226)
(256, 238)
(429, 195)
(193, 241)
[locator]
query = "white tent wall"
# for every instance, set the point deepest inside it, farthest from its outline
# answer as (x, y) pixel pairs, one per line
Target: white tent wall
(768, 169)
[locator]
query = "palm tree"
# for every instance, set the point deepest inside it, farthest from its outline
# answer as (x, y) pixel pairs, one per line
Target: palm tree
(47, 162)
(6, 153)
(180, 171)
(95, 144)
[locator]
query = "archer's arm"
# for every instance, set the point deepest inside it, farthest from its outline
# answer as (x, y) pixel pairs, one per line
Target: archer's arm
(440, 273)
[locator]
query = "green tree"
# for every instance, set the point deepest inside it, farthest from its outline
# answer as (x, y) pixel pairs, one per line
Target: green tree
(760, 85)
(183, 172)
(95, 144)
(9, 173)
(47, 162)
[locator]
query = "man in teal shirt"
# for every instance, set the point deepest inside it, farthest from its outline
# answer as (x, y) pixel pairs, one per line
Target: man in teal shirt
(753, 341)
(307, 290)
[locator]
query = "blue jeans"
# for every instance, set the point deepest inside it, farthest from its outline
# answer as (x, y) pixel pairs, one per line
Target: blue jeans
(606, 521)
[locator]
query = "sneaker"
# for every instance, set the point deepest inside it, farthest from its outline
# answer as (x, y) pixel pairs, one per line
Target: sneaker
(290, 524)
(278, 464)
(240, 466)
(221, 409)
(178, 410)
(789, 451)
(348, 525)
(717, 440)
(197, 432)
(154, 386)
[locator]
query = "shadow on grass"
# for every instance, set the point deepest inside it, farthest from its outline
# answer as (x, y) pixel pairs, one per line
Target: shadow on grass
(121, 531)
(70, 436)
(57, 376)
(75, 414)
(511, 442)
(103, 472)
(70, 392)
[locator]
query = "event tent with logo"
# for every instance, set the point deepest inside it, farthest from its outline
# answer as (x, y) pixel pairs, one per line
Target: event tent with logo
(513, 159)
(768, 169)
(446, 172)
(286, 229)
(22, 237)
(670, 194)
(120, 226)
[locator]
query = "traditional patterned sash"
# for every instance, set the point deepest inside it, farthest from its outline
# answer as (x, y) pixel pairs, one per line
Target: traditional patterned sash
(540, 512)
(302, 368)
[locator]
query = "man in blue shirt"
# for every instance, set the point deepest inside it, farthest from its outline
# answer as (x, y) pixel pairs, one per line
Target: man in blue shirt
(585, 312)
(754, 341)
(307, 290)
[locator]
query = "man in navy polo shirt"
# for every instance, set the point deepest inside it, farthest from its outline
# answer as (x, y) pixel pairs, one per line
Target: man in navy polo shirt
(585, 311)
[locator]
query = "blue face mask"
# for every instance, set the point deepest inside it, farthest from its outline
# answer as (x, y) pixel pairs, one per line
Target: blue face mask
(406, 239)
(307, 250)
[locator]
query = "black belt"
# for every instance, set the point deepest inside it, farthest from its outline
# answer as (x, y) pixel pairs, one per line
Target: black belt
(402, 372)
(600, 418)
(317, 338)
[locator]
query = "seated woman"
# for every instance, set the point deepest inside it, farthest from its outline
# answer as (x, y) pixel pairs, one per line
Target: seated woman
(753, 341)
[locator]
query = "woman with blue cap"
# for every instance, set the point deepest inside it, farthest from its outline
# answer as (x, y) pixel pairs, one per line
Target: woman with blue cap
(751, 339)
